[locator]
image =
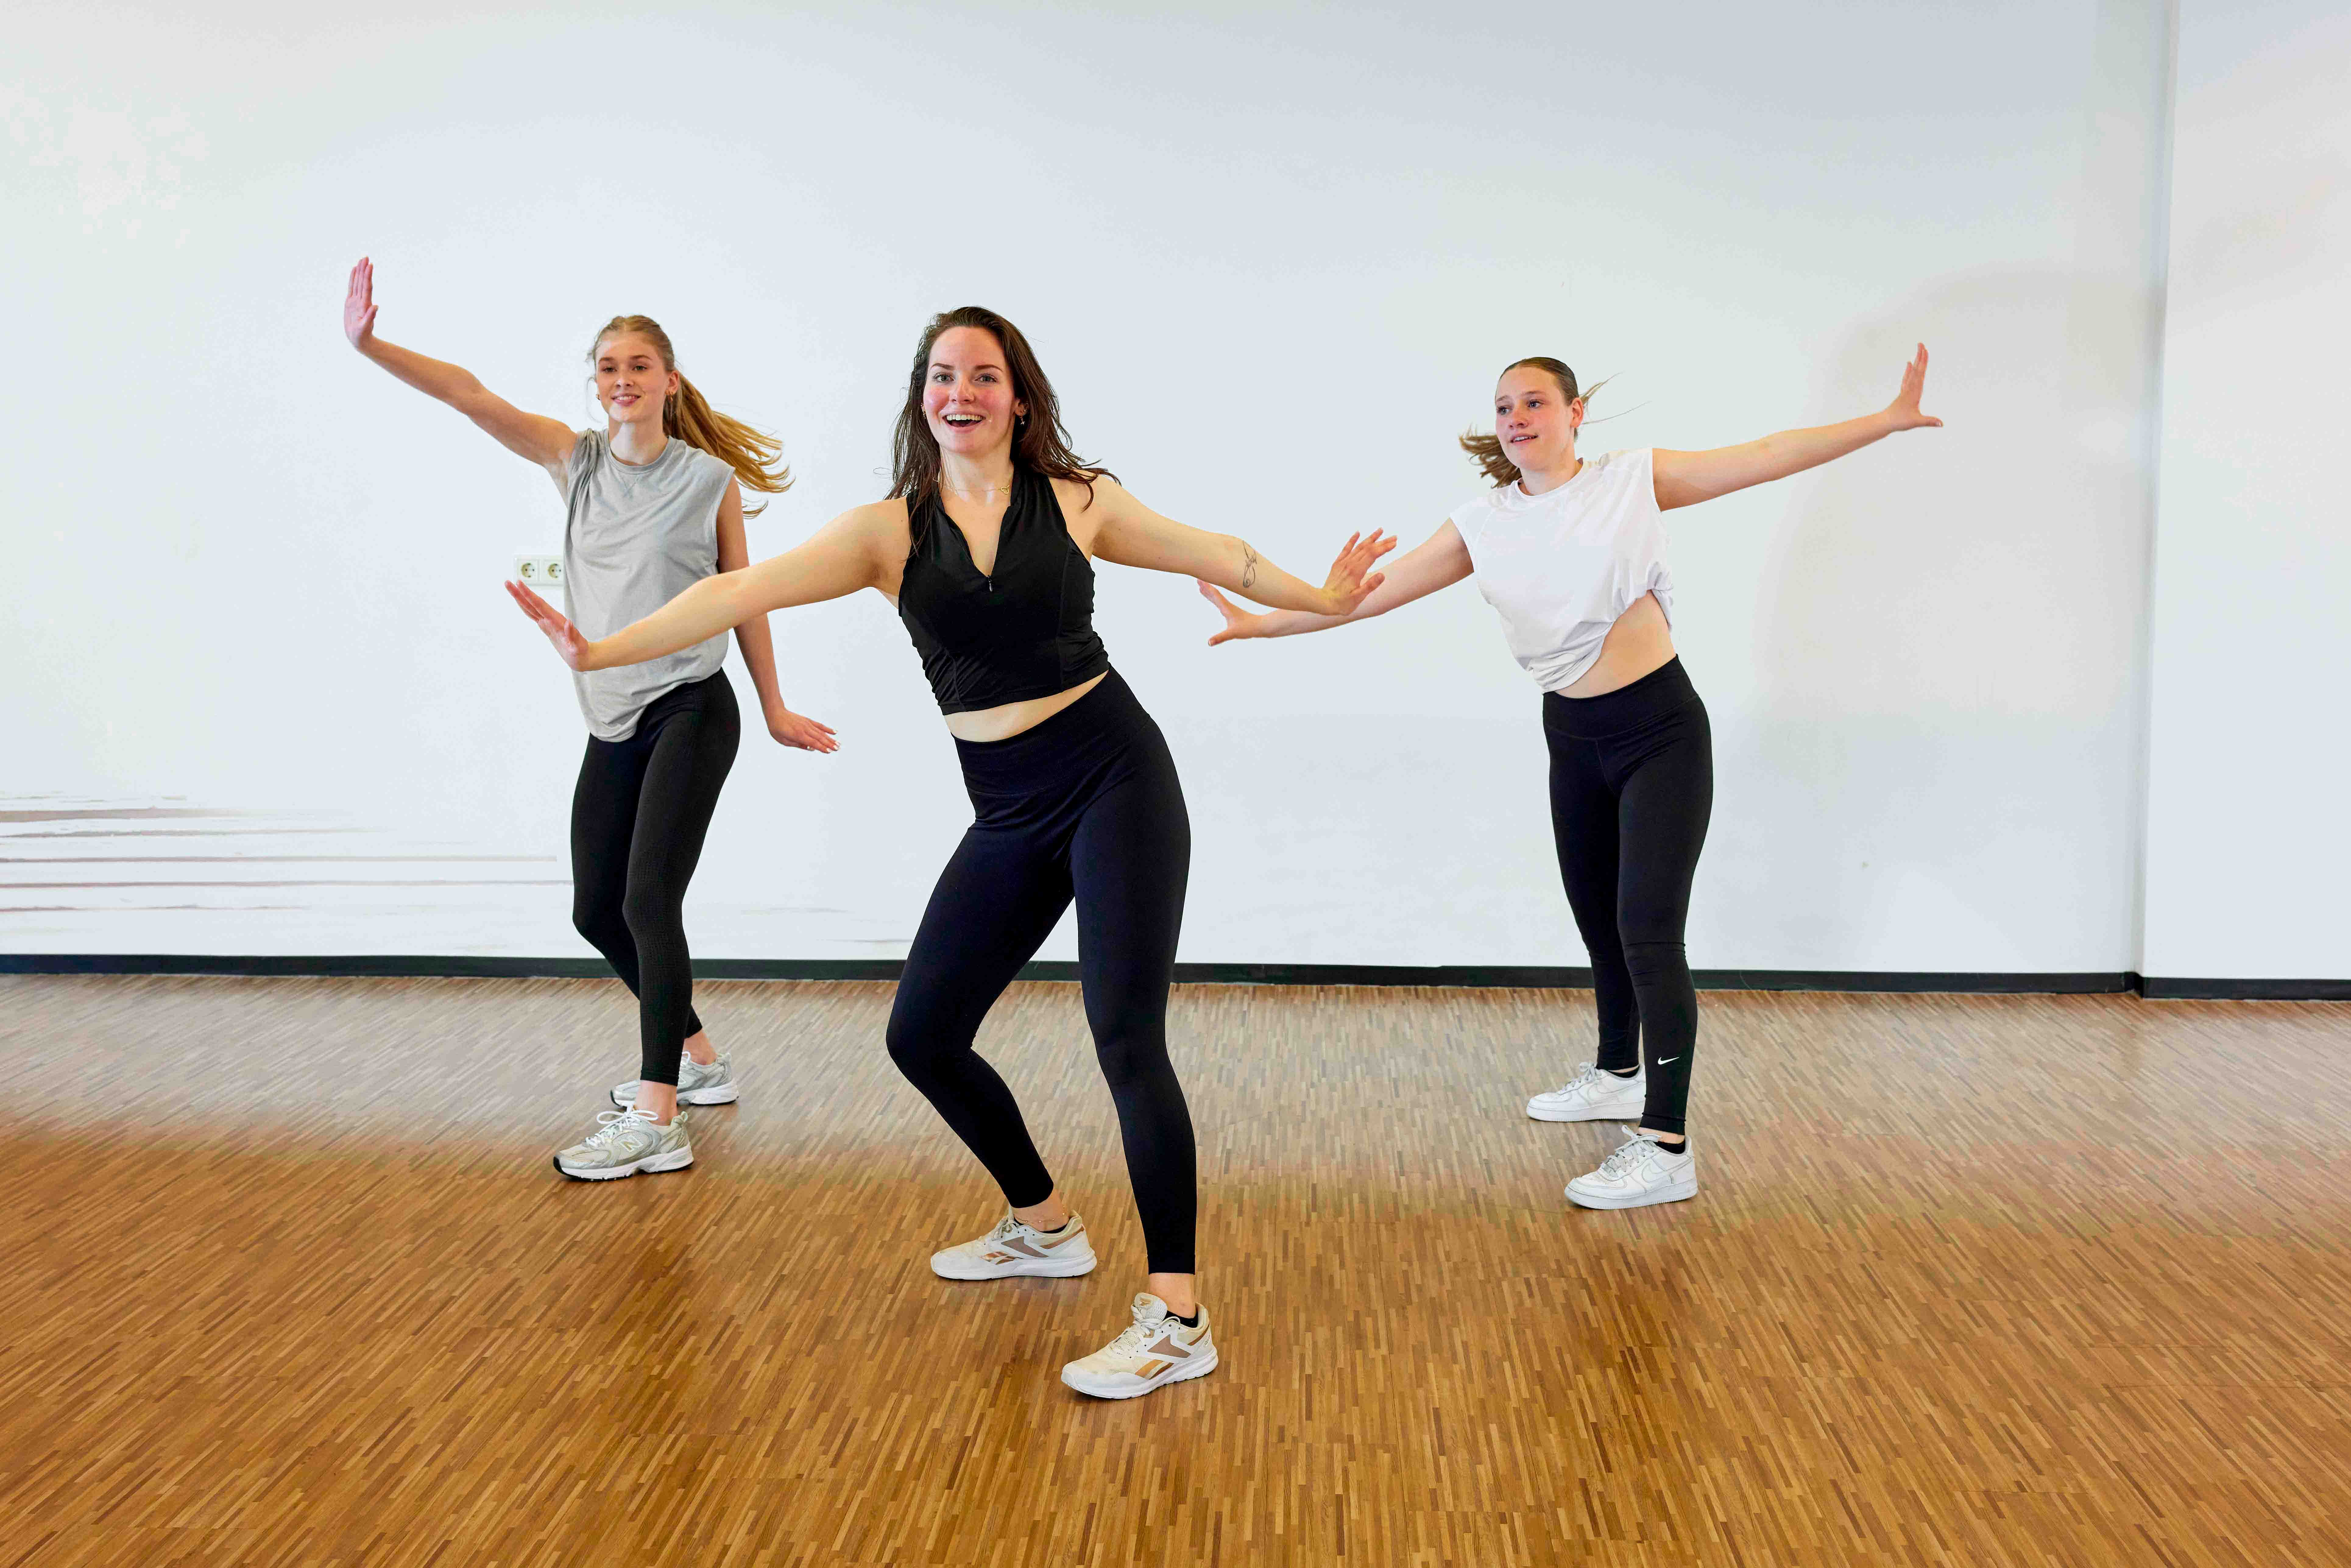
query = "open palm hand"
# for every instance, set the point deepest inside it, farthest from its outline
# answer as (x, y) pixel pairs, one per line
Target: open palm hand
(570, 645)
(1905, 406)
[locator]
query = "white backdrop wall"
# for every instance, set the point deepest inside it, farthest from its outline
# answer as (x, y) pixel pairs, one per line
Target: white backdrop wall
(2247, 847)
(1273, 258)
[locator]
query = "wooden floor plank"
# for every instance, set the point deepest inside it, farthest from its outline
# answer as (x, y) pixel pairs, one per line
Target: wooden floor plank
(2026, 1279)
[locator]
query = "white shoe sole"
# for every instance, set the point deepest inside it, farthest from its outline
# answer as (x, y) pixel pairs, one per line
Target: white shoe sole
(649, 1165)
(1034, 1269)
(1624, 1113)
(725, 1095)
(1071, 1376)
(1675, 1193)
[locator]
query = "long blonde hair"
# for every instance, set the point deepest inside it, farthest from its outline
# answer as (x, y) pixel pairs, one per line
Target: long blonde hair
(1487, 452)
(687, 415)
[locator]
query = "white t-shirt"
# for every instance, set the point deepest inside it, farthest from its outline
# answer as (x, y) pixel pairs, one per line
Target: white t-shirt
(1560, 566)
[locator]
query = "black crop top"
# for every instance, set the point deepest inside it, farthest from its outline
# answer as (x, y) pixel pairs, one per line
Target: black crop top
(1026, 630)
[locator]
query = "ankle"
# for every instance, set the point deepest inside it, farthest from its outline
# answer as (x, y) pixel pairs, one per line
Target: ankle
(1050, 1215)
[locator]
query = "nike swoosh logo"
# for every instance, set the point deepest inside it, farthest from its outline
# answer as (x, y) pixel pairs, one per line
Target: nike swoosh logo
(1662, 1061)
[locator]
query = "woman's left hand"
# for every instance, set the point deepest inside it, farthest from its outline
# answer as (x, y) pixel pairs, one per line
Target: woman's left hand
(570, 645)
(1904, 409)
(800, 731)
(1351, 579)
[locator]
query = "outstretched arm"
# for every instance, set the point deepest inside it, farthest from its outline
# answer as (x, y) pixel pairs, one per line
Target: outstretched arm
(840, 558)
(1439, 561)
(758, 647)
(545, 442)
(1686, 478)
(1132, 534)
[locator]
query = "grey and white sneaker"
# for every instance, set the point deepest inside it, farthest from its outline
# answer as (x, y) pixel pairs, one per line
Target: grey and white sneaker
(1591, 1095)
(1152, 1352)
(698, 1084)
(624, 1143)
(1013, 1248)
(1637, 1172)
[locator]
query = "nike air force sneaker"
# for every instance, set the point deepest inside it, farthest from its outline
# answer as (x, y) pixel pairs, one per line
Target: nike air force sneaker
(1012, 1250)
(1591, 1095)
(1637, 1172)
(624, 1143)
(1152, 1352)
(698, 1084)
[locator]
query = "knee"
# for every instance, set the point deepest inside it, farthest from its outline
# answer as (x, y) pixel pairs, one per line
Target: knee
(597, 921)
(649, 913)
(1658, 960)
(918, 1039)
(1132, 1056)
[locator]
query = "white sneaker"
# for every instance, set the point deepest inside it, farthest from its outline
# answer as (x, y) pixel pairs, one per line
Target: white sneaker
(1013, 1248)
(1637, 1172)
(624, 1143)
(698, 1084)
(1152, 1352)
(1591, 1095)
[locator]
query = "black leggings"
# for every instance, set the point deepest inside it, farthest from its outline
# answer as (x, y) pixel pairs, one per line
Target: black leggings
(638, 816)
(1632, 785)
(1086, 805)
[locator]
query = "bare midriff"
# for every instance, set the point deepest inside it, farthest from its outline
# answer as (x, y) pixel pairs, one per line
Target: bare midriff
(1639, 642)
(1009, 719)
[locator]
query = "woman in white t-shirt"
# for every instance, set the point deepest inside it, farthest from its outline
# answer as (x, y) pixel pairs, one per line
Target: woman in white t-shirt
(1571, 552)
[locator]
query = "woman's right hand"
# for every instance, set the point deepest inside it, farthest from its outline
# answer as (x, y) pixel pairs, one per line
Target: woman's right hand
(1238, 622)
(359, 305)
(570, 645)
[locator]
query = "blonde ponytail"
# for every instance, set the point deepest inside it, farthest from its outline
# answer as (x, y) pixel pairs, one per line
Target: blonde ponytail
(1487, 452)
(687, 415)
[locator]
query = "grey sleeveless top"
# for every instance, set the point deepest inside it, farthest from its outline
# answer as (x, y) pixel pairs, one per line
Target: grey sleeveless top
(634, 539)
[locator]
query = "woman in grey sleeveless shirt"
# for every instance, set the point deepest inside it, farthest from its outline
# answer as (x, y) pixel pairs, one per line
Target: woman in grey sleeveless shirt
(654, 504)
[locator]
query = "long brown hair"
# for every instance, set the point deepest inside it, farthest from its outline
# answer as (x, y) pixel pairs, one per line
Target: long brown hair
(687, 415)
(1040, 443)
(1485, 451)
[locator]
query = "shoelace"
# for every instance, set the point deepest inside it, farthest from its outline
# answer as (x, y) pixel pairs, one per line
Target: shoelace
(1135, 1335)
(1632, 1150)
(615, 1124)
(1584, 1075)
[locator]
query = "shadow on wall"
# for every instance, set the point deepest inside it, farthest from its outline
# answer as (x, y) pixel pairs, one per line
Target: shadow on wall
(1948, 648)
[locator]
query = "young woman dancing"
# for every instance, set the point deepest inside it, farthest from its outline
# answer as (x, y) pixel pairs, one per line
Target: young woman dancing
(1571, 552)
(654, 502)
(986, 547)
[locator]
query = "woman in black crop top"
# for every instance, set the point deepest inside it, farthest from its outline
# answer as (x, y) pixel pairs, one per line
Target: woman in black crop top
(986, 545)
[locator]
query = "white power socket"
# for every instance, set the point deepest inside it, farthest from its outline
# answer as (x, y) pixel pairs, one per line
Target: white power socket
(541, 573)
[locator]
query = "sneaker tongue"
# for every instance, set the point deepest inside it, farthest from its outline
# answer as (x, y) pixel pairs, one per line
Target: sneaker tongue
(1149, 1309)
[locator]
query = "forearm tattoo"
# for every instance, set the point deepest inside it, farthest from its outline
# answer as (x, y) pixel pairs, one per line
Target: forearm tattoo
(1248, 567)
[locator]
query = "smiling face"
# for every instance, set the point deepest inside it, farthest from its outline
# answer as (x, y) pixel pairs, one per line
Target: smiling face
(1534, 421)
(632, 382)
(967, 399)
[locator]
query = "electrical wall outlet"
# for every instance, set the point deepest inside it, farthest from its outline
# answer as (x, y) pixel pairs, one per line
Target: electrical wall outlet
(541, 573)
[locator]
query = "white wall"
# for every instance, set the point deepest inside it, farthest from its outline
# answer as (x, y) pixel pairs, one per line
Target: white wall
(1274, 258)
(2247, 850)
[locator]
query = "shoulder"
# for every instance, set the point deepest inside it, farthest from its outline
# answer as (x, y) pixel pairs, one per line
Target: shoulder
(588, 446)
(1077, 495)
(880, 520)
(1473, 511)
(1630, 464)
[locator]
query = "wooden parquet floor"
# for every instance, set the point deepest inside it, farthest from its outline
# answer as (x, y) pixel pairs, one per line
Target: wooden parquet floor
(1971, 1281)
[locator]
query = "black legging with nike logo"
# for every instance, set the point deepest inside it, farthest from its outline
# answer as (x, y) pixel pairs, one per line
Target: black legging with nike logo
(1632, 786)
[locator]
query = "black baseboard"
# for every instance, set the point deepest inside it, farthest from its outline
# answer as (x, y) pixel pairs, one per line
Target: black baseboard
(2168, 987)
(383, 966)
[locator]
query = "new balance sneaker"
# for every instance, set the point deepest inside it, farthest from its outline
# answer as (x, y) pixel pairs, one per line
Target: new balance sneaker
(1637, 1172)
(1591, 1095)
(1013, 1248)
(1152, 1352)
(698, 1084)
(624, 1143)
